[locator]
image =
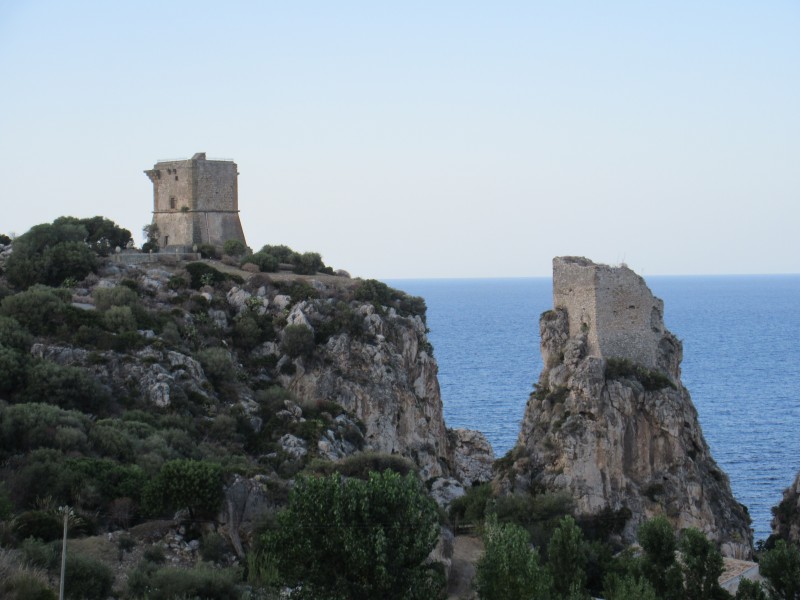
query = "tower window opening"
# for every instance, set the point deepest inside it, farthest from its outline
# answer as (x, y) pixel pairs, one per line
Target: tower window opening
(172, 202)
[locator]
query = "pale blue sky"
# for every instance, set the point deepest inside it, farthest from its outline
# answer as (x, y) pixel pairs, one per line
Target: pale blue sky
(424, 139)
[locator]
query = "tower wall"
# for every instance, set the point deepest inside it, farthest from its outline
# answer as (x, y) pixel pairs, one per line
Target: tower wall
(614, 308)
(196, 201)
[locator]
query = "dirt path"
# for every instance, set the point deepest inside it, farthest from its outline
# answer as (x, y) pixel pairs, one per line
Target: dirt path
(467, 549)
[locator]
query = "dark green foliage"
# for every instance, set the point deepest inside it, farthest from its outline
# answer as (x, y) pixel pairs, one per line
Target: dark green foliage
(102, 235)
(66, 387)
(121, 295)
(217, 365)
(361, 464)
(538, 514)
(307, 263)
(12, 370)
(629, 588)
(4, 239)
(234, 248)
(266, 262)
(25, 585)
(298, 290)
(658, 563)
(357, 539)
(283, 254)
(49, 254)
(25, 427)
(110, 479)
(471, 507)
(213, 547)
(566, 561)
(298, 340)
(342, 319)
(605, 523)
(509, 568)
(781, 569)
(201, 583)
(209, 251)
(151, 234)
(702, 566)
(750, 590)
(192, 484)
(43, 525)
(87, 579)
(651, 380)
(40, 310)
(13, 335)
(155, 554)
(202, 274)
(380, 294)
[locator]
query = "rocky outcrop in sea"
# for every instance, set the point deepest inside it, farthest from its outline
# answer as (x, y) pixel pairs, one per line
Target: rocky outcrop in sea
(610, 421)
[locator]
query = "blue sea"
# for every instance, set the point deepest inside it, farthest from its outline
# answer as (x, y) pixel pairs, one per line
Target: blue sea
(741, 342)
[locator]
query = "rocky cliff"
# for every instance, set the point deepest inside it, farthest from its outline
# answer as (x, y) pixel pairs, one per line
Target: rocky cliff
(610, 420)
(786, 515)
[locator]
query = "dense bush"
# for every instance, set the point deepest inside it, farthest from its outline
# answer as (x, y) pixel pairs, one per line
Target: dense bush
(380, 294)
(509, 568)
(13, 335)
(25, 427)
(234, 248)
(651, 380)
(66, 387)
(121, 295)
(51, 253)
(202, 274)
(169, 583)
(297, 340)
(781, 568)
(357, 539)
(12, 369)
(266, 262)
(191, 484)
(40, 310)
(87, 579)
(217, 365)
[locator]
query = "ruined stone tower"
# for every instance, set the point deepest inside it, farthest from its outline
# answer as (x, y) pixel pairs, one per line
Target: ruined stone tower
(195, 201)
(612, 306)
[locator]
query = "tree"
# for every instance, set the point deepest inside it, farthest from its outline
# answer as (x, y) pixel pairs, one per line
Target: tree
(629, 588)
(102, 235)
(658, 562)
(195, 485)
(234, 248)
(781, 568)
(565, 558)
(750, 590)
(357, 540)
(509, 567)
(702, 566)
(151, 234)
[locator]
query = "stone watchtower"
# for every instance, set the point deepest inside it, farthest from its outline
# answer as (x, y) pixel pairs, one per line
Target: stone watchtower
(611, 305)
(195, 201)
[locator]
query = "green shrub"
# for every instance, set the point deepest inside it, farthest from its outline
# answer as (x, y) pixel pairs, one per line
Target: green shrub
(170, 583)
(202, 274)
(234, 248)
(40, 310)
(651, 380)
(213, 547)
(308, 263)
(87, 579)
(155, 554)
(49, 254)
(373, 541)
(297, 340)
(191, 484)
(121, 295)
(25, 427)
(66, 387)
(266, 262)
(119, 319)
(12, 369)
(217, 365)
(471, 507)
(208, 251)
(13, 335)
(40, 524)
(509, 568)
(102, 235)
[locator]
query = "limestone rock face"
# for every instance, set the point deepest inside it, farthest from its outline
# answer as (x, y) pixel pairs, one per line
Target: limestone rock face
(786, 519)
(610, 421)
(473, 456)
(385, 377)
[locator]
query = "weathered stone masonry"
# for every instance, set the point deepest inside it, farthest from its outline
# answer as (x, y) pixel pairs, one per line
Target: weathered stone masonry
(612, 306)
(195, 201)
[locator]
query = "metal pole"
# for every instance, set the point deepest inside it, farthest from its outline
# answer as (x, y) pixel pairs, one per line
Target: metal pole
(63, 554)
